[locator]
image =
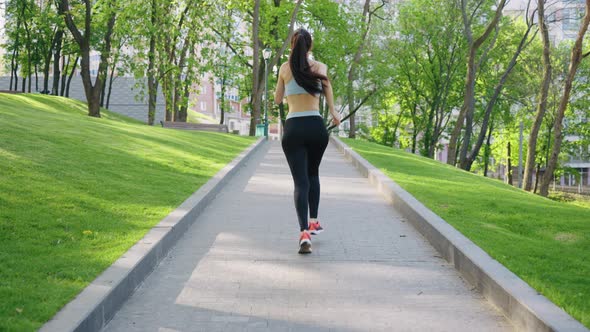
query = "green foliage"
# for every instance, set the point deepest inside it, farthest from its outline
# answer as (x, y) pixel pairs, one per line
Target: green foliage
(29, 30)
(429, 69)
(385, 132)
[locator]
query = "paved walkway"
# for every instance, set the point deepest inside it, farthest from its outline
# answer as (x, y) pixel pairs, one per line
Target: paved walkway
(237, 268)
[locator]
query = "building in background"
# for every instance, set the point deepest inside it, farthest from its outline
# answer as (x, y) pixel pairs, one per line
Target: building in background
(563, 17)
(207, 100)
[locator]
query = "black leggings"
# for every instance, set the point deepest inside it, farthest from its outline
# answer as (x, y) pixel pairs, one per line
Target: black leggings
(304, 141)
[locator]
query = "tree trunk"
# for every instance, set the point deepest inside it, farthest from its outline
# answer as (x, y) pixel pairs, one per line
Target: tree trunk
(178, 85)
(46, 72)
(36, 78)
(48, 53)
(152, 84)
(350, 98)
(469, 86)
(468, 161)
(222, 104)
(542, 102)
(103, 91)
(576, 58)
(414, 136)
(94, 105)
(468, 108)
(83, 39)
(395, 128)
(14, 61)
(13, 69)
(488, 150)
(254, 100)
(537, 177)
(168, 98)
(29, 72)
(92, 92)
(29, 58)
(428, 132)
(183, 113)
(71, 75)
(56, 58)
(64, 72)
(111, 79)
(509, 165)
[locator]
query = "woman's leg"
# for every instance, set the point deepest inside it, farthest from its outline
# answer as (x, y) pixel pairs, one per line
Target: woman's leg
(296, 154)
(315, 152)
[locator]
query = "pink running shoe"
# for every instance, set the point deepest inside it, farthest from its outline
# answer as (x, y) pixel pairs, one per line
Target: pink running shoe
(305, 243)
(315, 228)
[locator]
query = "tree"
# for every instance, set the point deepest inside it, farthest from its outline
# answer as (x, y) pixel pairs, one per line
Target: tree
(524, 41)
(467, 110)
(576, 58)
(84, 40)
(264, 31)
(255, 117)
(542, 101)
(428, 68)
(367, 17)
(151, 71)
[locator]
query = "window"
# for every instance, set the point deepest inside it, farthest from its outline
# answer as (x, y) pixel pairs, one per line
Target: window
(203, 106)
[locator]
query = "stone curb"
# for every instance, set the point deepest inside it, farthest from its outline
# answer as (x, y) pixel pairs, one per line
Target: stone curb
(521, 304)
(96, 305)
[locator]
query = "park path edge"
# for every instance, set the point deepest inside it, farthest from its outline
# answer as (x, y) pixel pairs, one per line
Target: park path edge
(525, 308)
(96, 304)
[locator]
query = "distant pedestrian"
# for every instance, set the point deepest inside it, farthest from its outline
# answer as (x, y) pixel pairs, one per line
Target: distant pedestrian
(305, 137)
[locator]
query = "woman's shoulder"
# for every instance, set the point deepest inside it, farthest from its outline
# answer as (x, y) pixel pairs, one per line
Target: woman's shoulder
(284, 66)
(318, 63)
(319, 67)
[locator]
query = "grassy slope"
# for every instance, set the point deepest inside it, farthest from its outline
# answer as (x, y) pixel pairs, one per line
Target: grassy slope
(546, 243)
(76, 192)
(196, 117)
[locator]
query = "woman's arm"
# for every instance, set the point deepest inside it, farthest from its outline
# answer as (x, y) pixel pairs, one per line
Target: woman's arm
(330, 97)
(280, 90)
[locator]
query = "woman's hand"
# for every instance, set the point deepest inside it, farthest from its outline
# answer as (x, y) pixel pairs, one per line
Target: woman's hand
(336, 119)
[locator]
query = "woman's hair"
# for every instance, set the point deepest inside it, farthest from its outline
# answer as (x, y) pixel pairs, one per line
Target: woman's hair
(300, 44)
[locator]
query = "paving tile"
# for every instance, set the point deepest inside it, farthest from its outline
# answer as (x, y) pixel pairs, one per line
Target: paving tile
(237, 267)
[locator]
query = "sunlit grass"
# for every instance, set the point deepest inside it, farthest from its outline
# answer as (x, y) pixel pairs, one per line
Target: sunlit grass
(545, 242)
(196, 117)
(76, 192)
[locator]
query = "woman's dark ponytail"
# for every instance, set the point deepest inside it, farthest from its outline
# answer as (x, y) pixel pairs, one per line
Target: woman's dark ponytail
(300, 44)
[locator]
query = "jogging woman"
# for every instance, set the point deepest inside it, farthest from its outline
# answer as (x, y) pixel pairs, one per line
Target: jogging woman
(305, 137)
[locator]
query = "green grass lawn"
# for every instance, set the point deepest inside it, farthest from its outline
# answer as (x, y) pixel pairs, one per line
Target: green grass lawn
(546, 243)
(76, 192)
(574, 199)
(196, 117)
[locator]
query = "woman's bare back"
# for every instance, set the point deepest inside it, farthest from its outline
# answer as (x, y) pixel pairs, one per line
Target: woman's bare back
(305, 101)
